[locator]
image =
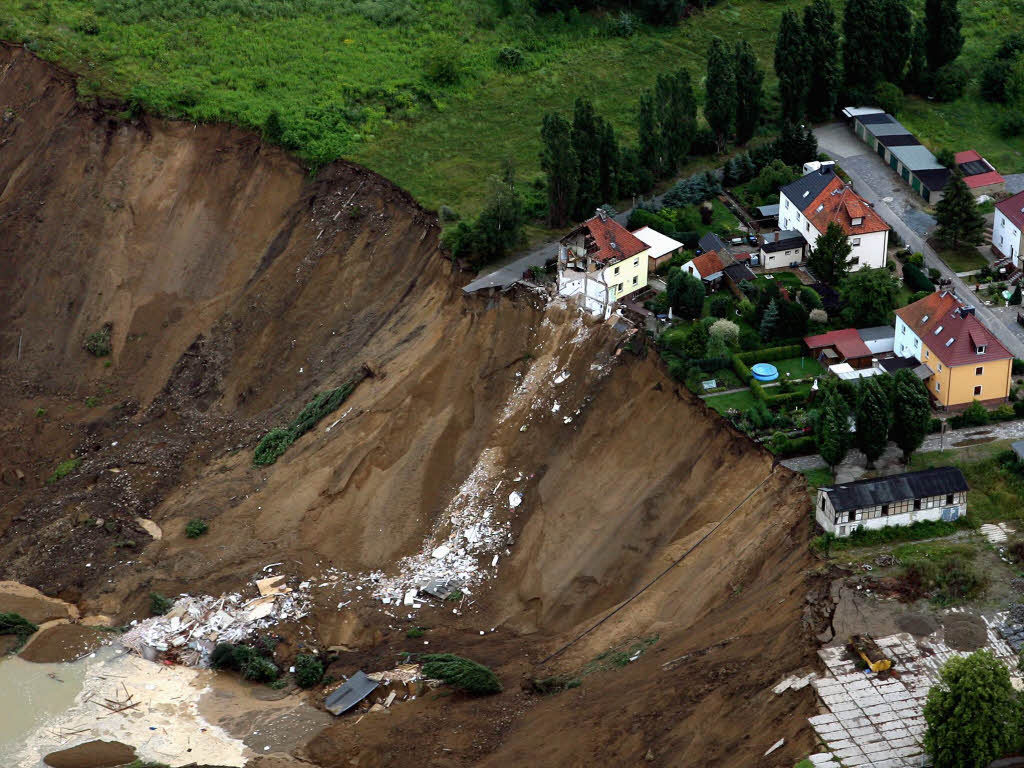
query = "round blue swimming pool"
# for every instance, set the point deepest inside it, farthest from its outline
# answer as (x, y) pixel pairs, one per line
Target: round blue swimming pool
(765, 372)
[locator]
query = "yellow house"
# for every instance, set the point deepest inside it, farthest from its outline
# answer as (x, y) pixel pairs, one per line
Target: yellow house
(966, 360)
(602, 262)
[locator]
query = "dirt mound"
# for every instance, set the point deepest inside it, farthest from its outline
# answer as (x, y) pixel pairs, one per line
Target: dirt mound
(236, 288)
(92, 754)
(964, 631)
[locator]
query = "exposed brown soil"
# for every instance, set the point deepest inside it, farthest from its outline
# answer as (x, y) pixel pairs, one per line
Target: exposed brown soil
(92, 754)
(236, 287)
(63, 642)
(964, 631)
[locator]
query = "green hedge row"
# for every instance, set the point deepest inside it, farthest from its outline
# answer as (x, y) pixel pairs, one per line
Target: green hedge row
(797, 446)
(915, 279)
(784, 398)
(742, 370)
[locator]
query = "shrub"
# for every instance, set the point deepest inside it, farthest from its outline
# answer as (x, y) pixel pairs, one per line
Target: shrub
(915, 279)
(415, 633)
(309, 670)
(1011, 124)
(15, 624)
(819, 316)
(272, 446)
(158, 604)
(461, 673)
(510, 58)
(1018, 366)
(64, 469)
(778, 443)
(720, 305)
(975, 415)
(443, 65)
(246, 659)
(810, 298)
(98, 343)
(624, 25)
(949, 82)
(196, 527)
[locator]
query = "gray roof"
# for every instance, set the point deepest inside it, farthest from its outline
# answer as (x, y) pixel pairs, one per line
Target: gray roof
(788, 238)
(739, 272)
(711, 242)
(358, 687)
(916, 157)
(877, 332)
(886, 490)
(768, 210)
(888, 129)
(806, 188)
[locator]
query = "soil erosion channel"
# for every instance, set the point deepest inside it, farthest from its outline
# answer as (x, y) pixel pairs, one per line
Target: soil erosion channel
(233, 288)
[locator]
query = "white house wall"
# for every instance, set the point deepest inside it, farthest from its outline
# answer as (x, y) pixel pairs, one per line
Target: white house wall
(1006, 237)
(906, 343)
(932, 508)
(869, 250)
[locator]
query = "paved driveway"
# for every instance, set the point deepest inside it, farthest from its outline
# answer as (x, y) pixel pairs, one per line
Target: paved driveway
(895, 202)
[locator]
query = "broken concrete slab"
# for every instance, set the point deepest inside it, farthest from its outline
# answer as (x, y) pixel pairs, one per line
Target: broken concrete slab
(350, 693)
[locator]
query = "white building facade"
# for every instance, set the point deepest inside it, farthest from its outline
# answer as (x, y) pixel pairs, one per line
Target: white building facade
(1007, 226)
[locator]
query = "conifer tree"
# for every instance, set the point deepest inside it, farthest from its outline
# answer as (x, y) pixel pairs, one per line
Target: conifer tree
(649, 137)
(822, 62)
(561, 167)
(609, 160)
(911, 412)
(792, 67)
(832, 430)
(916, 77)
(899, 30)
(944, 39)
(749, 91)
(830, 255)
(960, 221)
(586, 143)
(770, 320)
(720, 92)
(677, 115)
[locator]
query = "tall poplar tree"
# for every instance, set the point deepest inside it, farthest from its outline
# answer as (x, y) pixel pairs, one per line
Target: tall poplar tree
(872, 421)
(822, 62)
(560, 165)
(944, 39)
(609, 161)
(749, 91)
(677, 115)
(899, 30)
(649, 137)
(911, 412)
(586, 143)
(720, 92)
(792, 67)
(863, 37)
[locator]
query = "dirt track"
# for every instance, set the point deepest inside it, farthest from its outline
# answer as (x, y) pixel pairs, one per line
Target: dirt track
(236, 288)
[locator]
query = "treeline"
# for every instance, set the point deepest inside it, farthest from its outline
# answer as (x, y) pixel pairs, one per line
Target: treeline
(1002, 82)
(585, 166)
(660, 12)
(886, 52)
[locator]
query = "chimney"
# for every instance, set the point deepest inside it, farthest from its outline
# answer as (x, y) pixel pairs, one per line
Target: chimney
(965, 311)
(776, 236)
(602, 214)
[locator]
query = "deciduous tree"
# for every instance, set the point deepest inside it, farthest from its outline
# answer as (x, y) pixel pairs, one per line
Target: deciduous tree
(822, 62)
(792, 67)
(944, 39)
(869, 297)
(872, 420)
(911, 413)
(829, 259)
(720, 92)
(832, 429)
(749, 91)
(685, 293)
(973, 713)
(561, 167)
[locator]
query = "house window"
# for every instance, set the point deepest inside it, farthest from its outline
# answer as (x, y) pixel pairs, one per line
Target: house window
(786, 201)
(917, 504)
(981, 349)
(635, 279)
(807, 227)
(854, 261)
(821, 207)
(842, 530)
(857, 221)
(977, 390)
(850, 516)
(822, 502)
(949, 499)
(940, 367)
(885, 510)
(978, 370)
(616, 270)
(938, 387)
(636, 262)
(856, 241)
(618, 288)
(926, 354)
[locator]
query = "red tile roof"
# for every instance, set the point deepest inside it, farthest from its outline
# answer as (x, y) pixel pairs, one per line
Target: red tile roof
(1013, 209)
(607, 241)
(842, 205)
(952, 335)
(847, 342)
(707, 264)
(992, 176)
(741, 256)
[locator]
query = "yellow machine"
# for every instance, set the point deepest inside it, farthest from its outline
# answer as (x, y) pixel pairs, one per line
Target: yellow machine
(868, 650)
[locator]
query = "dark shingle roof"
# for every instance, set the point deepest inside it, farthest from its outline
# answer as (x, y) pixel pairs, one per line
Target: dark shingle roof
(813, 184)
(933, 178)
(886, 490)
(899, 140)
(739, 272)
(788, 238)
(875, 118)
(711, 242)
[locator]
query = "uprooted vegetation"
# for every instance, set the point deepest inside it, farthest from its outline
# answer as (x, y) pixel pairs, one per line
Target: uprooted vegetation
(461, 673)
(252, 663)
(14, 624)
(276, 441)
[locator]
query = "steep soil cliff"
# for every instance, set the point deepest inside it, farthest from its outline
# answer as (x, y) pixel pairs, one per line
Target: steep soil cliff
(236, 287)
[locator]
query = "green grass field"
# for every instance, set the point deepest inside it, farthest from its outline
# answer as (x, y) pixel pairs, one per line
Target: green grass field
(741, 401)
(963, 260)
(413, 88)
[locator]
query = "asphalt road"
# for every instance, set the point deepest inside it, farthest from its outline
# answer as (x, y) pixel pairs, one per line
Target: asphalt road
(893, 201)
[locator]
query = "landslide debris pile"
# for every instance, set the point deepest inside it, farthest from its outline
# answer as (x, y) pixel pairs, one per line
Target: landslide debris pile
(502, 444)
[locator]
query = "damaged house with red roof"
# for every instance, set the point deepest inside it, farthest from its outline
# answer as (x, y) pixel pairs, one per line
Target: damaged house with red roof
(601, 262)
(820, 198)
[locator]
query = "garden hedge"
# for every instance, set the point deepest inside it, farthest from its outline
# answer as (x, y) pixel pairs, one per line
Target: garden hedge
(769, 354)
(915, 279)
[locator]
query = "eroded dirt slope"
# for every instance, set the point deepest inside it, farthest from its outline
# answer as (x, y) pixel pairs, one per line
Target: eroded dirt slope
(236, 287)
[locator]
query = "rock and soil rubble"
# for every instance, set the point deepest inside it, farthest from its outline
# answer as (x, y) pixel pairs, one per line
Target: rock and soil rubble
(236, 287)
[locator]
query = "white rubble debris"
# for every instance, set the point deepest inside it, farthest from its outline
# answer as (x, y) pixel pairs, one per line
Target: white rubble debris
(514, 499)
(195, 625)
